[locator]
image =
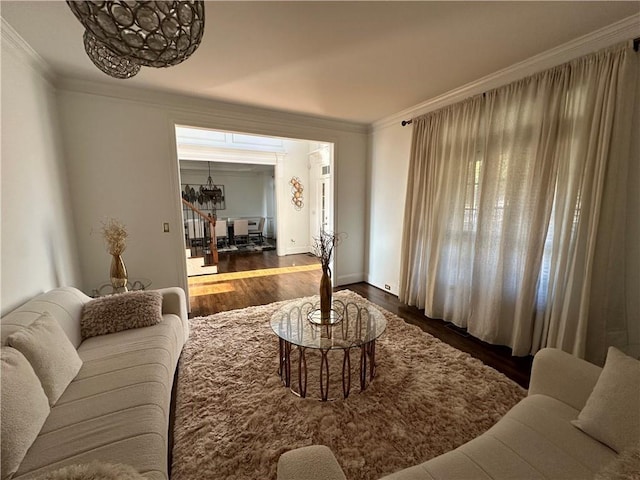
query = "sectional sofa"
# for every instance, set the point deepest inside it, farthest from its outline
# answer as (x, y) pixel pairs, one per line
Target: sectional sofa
(578, 421)
(96, 389)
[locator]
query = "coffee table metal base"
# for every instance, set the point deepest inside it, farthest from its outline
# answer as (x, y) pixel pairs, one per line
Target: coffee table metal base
(367, 367)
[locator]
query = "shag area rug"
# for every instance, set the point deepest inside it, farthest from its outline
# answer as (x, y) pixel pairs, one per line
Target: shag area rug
(234, 417)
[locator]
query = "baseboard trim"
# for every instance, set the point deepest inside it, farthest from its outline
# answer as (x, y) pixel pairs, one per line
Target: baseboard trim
(349, 278)
(296, 250)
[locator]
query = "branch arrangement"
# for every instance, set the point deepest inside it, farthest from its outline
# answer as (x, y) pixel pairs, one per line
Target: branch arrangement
(115, 236)
(323, 246)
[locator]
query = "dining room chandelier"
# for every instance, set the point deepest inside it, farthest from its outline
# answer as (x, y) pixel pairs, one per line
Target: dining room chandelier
(121, 36)
(211, 191)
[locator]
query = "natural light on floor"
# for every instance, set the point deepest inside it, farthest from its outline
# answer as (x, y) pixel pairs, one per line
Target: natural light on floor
(210, 284)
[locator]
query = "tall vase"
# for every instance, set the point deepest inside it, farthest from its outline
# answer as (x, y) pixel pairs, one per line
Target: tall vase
(118, 274)
(325, 295)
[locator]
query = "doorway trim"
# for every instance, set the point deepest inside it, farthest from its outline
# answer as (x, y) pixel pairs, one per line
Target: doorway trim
(179, 121)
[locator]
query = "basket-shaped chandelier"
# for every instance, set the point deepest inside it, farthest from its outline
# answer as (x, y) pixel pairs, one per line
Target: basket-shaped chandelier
(210, 191)
(123, 35)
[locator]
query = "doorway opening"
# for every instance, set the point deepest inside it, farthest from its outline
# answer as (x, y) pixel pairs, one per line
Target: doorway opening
(250, 203)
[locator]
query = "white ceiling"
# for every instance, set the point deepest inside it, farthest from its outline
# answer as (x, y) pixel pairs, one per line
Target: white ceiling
(356, 61)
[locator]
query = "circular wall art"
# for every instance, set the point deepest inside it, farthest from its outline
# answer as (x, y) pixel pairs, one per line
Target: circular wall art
(296, 193)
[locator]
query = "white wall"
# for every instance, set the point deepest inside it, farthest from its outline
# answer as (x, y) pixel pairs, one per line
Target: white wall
(270, 204)
(244, 192)
(119, 162)
(37, 237)
(294, 232)
(122, 163)
(349, 177)
(387, 174)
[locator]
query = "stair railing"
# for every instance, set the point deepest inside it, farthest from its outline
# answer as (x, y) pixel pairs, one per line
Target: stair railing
(212, 257)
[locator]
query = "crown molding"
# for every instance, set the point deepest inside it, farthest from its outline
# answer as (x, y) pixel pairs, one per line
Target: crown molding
(179, 103)
(215, 154)
(14, 43)
(623, 30)
(192, 106)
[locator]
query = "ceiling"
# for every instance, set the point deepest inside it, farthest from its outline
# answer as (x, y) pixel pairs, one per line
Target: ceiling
(355, 61)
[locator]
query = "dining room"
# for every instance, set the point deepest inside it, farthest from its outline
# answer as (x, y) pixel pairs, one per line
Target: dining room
(249, 202)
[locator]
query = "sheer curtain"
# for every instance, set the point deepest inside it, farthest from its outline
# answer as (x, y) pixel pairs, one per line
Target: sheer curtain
(504, 203)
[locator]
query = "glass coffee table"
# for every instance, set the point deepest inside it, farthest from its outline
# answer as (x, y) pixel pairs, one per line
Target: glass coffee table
(354, 325)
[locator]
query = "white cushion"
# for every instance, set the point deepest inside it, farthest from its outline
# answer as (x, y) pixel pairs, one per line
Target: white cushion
(64, 304)
(117, 408)
(315, 462)
(25, 408)
(534, 440)
(612, 412)
(50, 353)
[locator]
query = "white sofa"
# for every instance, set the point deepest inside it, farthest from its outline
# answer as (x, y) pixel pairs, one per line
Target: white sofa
(534, 440)
(117, 408)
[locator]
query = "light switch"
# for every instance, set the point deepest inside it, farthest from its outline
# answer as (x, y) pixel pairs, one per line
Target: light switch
(165, 227)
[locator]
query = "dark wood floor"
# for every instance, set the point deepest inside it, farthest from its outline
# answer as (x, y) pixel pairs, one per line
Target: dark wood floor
(284, 279)
(269, 278)
(497, 357)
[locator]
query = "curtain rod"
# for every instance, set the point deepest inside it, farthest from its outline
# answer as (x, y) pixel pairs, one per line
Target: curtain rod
(636, 47)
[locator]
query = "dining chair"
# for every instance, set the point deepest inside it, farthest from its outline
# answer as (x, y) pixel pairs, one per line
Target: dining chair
(240, 230)
(222, 234)
(257, 230)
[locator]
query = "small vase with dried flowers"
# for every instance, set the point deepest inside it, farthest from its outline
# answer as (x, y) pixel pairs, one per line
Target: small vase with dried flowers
(323, 249)
(115, 236)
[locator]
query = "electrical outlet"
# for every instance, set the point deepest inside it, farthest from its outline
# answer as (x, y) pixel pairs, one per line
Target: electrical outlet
(387, 286)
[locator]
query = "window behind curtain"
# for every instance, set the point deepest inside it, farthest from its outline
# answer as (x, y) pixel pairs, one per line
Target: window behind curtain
(503, 204)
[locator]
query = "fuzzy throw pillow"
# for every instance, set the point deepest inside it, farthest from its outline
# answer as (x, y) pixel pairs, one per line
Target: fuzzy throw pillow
(122, 311)
(94, 471)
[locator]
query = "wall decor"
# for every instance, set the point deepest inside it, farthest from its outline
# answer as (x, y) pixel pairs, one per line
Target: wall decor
(296, 193)
(197, 196)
